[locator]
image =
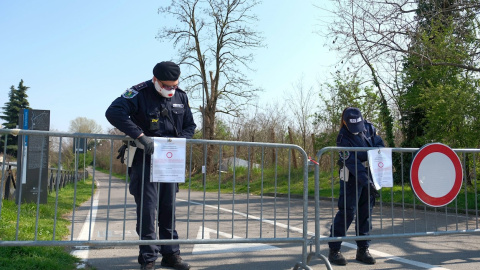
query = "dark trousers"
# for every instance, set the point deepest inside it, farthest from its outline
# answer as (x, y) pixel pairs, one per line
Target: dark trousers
(158, 205)
(347, 209)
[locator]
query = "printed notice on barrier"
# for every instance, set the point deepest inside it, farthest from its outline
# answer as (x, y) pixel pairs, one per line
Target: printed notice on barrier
(168, 160)
(380, 161)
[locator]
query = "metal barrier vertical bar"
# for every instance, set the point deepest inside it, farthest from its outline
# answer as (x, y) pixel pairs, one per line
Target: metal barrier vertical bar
(109, 189)
(127, 180)
(392, 207)
(84, 158)
(189, 190)
(332, 229)
(57, 187)
(75, 184)
(19, 193)
(39, 190)
(289, 191)
(305, 209)
(317, 204)
(275, 197)
(233, 187)
(356, 199)
(249, 167)
(204, 176)
(403, 192)
(446, 218)
(157, 203)
(173, 210)
(456, 213)
(93, 189)
(220, 149)
(465, 179)
(140, 226)
(425, 217)
(261, 193)
(475, 188)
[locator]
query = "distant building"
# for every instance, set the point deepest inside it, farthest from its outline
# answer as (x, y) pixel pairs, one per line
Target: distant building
(228, 163)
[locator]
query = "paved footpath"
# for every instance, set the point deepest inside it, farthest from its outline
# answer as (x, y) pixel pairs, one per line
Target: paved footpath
(452, 252)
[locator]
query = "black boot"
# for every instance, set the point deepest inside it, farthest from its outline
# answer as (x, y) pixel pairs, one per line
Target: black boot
(148, 266)
(364, 256)
(175, 261)
(336, 257)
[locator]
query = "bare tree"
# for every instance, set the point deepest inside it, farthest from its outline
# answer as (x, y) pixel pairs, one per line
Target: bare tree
(214, 39)
(302, 103)
(84, 125)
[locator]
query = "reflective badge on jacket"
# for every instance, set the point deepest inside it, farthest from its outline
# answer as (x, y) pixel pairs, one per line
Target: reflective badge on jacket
(129, 93)
(344, 154)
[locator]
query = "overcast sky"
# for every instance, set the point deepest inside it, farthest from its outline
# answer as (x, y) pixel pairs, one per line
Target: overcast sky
(78, 56)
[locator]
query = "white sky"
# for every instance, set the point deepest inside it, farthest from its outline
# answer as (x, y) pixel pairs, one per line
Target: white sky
(78, 56)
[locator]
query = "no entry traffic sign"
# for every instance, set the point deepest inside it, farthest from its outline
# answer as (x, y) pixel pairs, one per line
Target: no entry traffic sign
(436, 174)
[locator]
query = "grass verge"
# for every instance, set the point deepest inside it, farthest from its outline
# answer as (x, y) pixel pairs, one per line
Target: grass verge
(49, 227)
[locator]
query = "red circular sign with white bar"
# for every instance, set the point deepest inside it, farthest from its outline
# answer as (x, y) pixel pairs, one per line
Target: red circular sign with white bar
(436, 174)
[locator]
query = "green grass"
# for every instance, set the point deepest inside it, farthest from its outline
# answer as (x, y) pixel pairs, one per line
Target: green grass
(30, 257)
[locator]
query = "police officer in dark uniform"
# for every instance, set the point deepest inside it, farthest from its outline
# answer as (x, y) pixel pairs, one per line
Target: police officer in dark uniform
(154, 108)
(355, 179)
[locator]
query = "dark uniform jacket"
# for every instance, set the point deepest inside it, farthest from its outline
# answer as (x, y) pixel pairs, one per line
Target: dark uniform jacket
(139, 110)
(367, 138)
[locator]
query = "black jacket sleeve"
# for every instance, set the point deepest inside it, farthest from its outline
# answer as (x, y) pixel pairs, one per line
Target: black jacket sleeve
(118, 114)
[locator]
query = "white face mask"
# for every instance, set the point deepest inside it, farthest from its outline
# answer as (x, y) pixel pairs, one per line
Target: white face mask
(164, 92)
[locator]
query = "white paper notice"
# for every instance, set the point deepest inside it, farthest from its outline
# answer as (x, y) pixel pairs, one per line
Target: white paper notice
(380, 161)
(168, 160)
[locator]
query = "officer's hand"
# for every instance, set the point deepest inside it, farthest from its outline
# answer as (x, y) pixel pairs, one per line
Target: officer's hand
(147, 143)
(121, 153)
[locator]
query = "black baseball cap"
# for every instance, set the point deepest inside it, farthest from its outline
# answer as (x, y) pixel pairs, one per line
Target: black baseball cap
(353, 119)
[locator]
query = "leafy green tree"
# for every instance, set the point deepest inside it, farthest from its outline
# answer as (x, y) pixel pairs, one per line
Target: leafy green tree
(440, 101)
(17, 100)
(345, 91)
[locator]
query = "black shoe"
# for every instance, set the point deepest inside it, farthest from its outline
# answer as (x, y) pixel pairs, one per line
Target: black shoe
(364, 256)
(148, 266)
(175, 261)
(336, 257)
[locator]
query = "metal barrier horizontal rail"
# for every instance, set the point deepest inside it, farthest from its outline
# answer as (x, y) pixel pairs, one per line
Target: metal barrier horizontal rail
(110, 218)
(393, 217)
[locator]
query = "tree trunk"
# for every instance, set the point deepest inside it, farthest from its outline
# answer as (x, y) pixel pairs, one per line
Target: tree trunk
(290, 135)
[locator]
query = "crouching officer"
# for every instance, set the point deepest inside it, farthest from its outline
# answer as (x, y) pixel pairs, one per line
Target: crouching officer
(356, 186)
(154, 108)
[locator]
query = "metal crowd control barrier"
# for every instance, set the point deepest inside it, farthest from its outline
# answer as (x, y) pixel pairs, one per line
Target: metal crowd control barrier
(398, 213)
(267, 217)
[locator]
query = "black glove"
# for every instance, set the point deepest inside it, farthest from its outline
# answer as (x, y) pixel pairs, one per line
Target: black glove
(121, 153)
(148, 145)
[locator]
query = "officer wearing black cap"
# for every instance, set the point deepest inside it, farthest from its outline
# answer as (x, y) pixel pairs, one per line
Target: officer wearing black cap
(154, 108)
(356, 186)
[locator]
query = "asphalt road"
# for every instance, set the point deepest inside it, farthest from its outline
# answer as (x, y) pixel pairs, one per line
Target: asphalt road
(116, 221)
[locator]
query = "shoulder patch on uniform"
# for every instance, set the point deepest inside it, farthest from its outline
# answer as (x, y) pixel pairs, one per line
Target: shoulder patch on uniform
(140, 86)
(129, 93)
